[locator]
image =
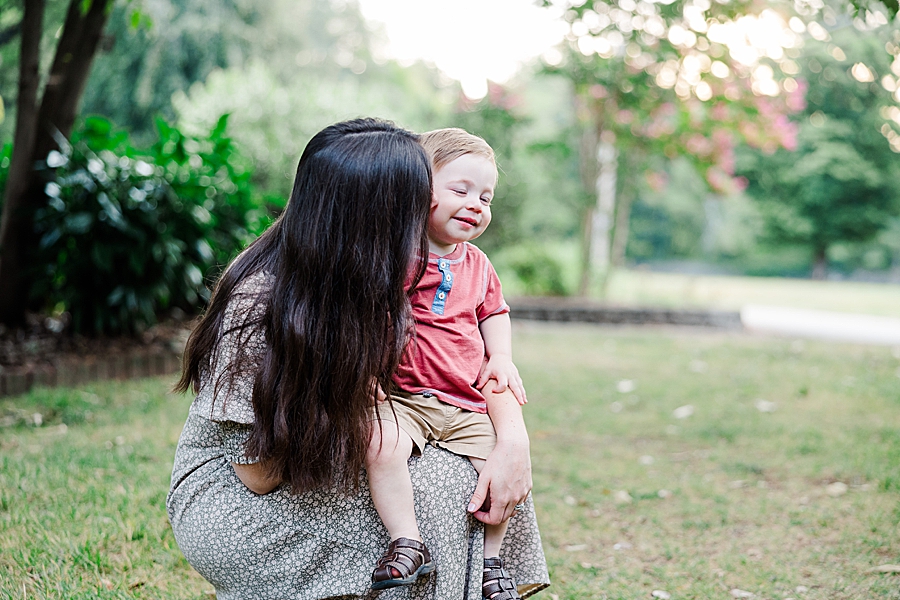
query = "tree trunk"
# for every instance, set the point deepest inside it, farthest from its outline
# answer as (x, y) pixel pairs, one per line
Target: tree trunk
(620, 233)
(820, 264)
(587, 153)
(603, 213)
(14, 226)
(69, 74)
(40, 134)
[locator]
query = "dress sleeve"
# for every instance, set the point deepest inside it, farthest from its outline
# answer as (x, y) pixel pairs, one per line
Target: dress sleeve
(493, 302)
(234, 443)
(226, 389)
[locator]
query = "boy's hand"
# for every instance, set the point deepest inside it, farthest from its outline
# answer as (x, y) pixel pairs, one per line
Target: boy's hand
(500, 367)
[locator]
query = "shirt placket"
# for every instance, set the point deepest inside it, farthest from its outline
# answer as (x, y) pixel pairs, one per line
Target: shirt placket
(440, 296)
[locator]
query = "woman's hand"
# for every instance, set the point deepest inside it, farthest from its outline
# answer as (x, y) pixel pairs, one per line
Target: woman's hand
(505, 479)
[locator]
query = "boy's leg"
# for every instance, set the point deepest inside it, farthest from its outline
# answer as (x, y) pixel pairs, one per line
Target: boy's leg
(391, 487)
(493, 534)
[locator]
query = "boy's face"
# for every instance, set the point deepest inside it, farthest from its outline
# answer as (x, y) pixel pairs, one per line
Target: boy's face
(461, 202)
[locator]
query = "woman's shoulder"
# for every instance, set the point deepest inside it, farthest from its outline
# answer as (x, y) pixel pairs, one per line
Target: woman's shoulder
(259, 283)
(248, 299)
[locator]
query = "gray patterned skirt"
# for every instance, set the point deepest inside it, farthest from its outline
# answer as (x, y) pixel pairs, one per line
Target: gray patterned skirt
(324, 545)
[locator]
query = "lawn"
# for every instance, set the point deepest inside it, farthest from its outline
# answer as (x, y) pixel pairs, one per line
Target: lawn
(783, 481)
(630, 287)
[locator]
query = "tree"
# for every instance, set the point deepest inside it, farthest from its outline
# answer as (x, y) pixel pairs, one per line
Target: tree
(679, 79)
(840, 185)
(40, 123)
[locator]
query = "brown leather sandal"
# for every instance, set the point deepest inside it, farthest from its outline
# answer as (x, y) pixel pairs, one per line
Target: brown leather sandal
(496, 583)
(408, 558)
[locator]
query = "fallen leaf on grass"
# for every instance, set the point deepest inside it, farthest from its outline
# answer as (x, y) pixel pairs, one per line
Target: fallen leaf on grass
(661, 594)
(106, 583)
(664, 494)
(646, 460)
(838, 488)
(764, 406)
(736, 593)
(576, 547)
(683, 412)
(587, 565)
(622, 546)
(621, 497)
(884, 569)
(626, 386)
(136, 585)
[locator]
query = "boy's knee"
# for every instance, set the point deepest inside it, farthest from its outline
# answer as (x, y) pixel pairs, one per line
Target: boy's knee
(388, 444)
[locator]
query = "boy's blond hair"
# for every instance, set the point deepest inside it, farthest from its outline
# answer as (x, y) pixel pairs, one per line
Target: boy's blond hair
(443, 146)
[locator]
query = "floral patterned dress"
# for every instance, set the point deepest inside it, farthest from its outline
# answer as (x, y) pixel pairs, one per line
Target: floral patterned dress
(319, 544)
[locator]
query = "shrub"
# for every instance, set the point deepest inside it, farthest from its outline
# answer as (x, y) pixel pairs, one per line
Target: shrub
(538, 271)
(128, 234)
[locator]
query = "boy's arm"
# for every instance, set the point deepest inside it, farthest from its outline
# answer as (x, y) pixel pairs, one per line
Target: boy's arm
(496, 331)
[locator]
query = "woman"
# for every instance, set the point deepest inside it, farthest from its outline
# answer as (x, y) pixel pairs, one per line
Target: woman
(267, 498)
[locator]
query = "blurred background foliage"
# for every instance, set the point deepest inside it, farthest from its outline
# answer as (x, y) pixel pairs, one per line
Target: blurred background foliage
(715, 175)
(129, 234)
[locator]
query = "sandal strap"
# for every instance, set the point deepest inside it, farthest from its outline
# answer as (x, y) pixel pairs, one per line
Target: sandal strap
(497, 583)
(404, 555)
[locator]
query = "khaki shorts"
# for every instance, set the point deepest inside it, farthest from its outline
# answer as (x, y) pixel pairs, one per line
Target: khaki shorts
(428, 420)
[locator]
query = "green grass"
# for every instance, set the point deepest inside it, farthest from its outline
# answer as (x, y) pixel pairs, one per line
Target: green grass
(748, 507)
(82, 498)
(82, 507)
(645, 288)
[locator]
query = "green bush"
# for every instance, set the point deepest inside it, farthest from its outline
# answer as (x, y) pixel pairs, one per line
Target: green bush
(538, 271)
(128, 234)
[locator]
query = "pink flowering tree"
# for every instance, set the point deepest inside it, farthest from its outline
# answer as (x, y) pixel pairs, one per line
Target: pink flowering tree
(692, 78)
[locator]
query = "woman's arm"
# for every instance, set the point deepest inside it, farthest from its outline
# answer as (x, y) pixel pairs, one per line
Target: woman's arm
(256, 478)
(505, 479)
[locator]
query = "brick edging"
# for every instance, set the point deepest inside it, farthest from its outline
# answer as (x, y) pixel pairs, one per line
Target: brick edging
(544, 310)
(75, 371)
(149, 363)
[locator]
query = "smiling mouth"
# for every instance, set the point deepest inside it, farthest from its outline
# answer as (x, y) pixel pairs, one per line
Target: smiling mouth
(471, 222)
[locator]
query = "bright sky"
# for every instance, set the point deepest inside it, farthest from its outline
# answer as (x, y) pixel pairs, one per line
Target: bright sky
(469, 40)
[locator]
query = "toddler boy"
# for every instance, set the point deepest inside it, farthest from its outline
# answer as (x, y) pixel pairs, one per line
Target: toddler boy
(463, 340)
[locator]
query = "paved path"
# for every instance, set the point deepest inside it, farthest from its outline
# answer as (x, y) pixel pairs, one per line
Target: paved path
(820, 324)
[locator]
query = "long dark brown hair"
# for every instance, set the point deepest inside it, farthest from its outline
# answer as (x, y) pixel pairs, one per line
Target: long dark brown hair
(336, 316)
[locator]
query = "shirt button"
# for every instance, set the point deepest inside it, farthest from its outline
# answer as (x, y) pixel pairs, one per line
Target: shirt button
(449, 277)
(443, 265)
(441, 295)
(427, 395)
